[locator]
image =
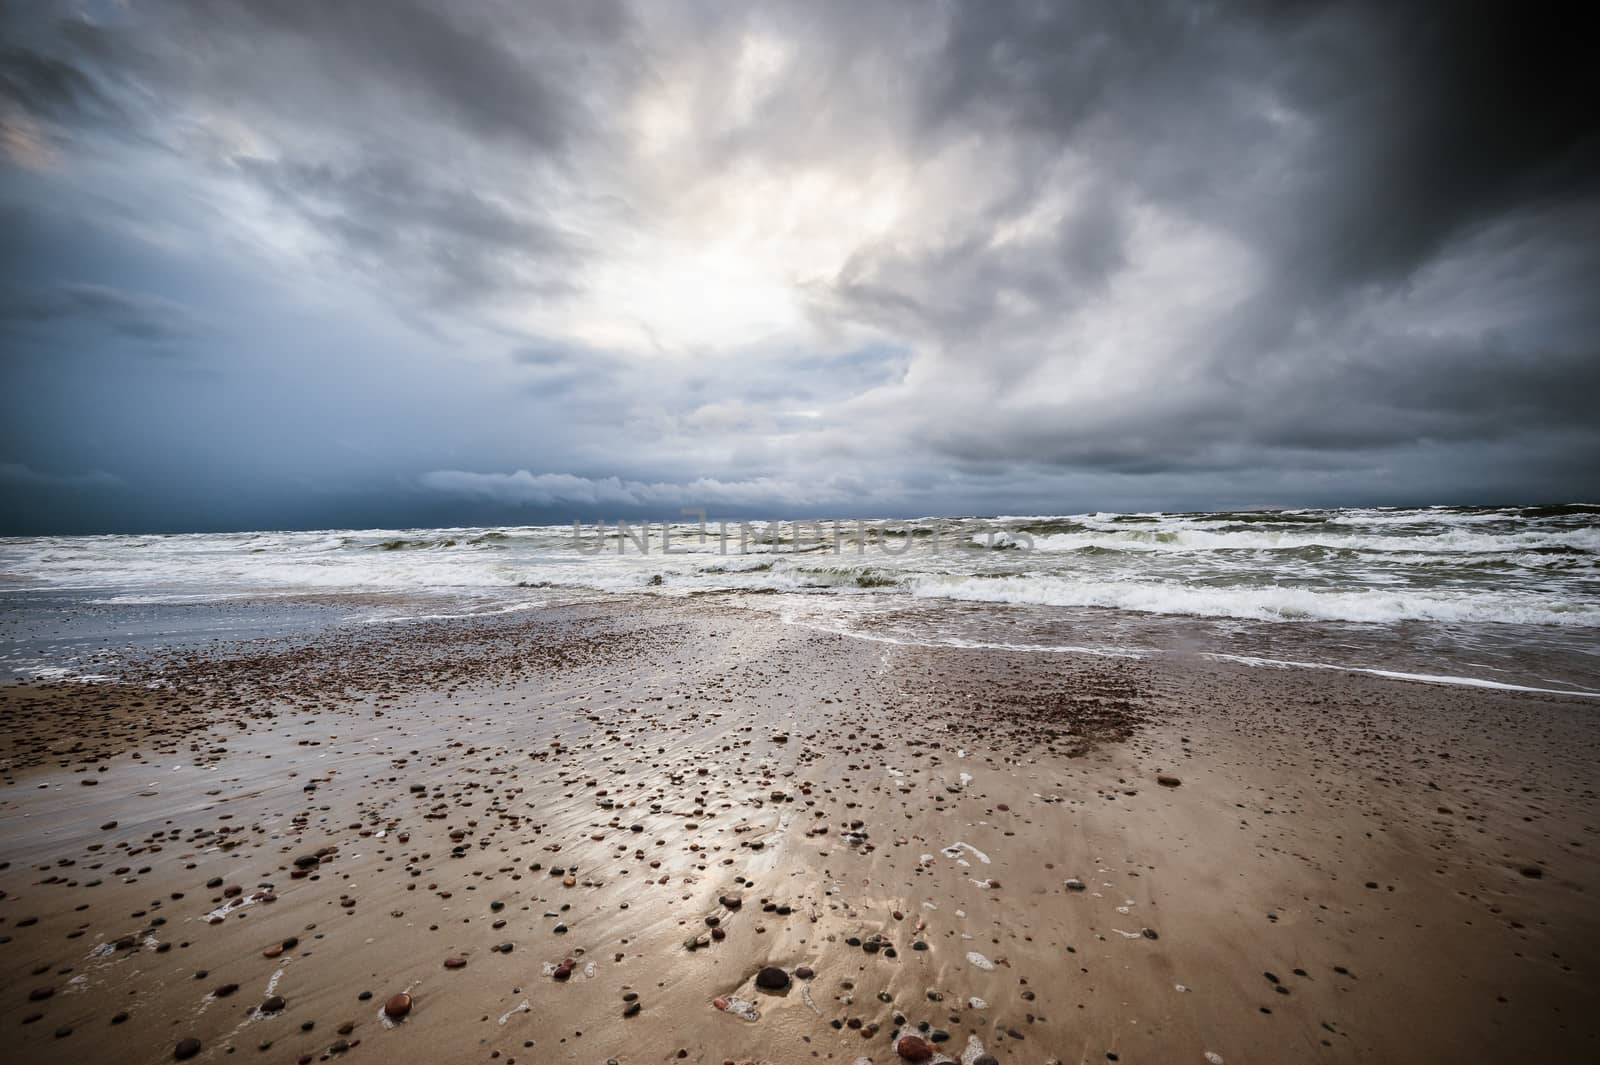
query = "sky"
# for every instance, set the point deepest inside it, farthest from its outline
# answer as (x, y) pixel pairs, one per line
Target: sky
(307, 264)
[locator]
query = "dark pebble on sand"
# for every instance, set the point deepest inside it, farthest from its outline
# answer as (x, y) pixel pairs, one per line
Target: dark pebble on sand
(772, 978)
(397, 1006)
(914, 1048)
(186, 1049)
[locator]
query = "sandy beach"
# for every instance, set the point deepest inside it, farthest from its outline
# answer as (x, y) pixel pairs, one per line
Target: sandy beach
(653, 830)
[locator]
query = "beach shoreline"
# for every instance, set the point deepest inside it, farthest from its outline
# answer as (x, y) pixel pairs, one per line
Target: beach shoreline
(677, 793)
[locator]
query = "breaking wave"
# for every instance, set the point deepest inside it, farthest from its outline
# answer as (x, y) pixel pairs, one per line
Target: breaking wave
(1263, 604)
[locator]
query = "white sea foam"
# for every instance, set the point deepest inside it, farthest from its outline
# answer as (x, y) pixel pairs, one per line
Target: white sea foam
(1275, 603)
(1187, 537)
(1429, 678)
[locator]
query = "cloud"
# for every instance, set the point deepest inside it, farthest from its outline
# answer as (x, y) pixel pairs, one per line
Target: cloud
(523, 487)
(1010, 255)
(396, 221)
(136, 316)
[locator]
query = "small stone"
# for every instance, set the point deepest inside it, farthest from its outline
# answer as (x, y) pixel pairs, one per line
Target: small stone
(914, 1048)
(186, 1049)
(455, 963)
(772, 978)
(1167, 781)
(275, 1004)
(397, 1006)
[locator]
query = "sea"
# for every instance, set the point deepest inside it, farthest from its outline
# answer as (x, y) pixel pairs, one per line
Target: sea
(1505, 597)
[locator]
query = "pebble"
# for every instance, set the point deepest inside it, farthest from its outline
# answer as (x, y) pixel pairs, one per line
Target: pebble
(397, 1007)
(772, 978)
(186, 1049)
(914, 1048)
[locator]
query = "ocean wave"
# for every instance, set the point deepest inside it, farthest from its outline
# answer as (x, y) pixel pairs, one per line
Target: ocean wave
(1277, 603)
(1585, 540)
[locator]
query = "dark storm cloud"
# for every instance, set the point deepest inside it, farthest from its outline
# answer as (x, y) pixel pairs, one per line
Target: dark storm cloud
(395, 220)
(458, 67)
(888, 256)
(499, 70)
(130, 315)
(1345, 147)
(428, 141)
(49, 86)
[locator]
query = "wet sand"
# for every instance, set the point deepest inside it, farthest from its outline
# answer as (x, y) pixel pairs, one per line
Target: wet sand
(583, 836)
